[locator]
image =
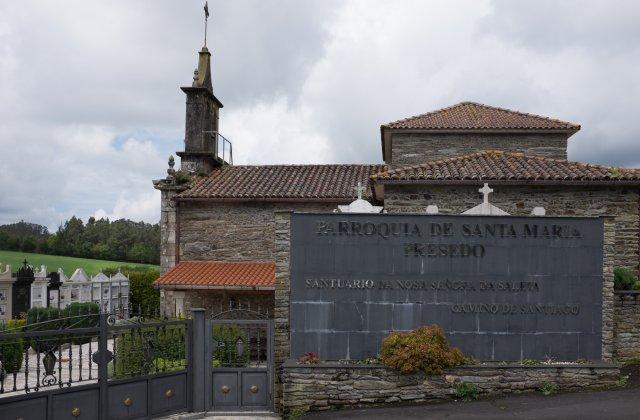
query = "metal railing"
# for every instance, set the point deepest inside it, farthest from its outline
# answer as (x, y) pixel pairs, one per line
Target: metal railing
(223, 149)
(63, 352)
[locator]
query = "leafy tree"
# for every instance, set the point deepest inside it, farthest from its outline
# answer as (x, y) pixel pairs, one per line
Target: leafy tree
(119, 240)
(28, 244)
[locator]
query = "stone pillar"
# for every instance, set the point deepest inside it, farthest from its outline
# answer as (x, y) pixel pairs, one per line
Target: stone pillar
(168, 228)
(608, 264)
(282, 291)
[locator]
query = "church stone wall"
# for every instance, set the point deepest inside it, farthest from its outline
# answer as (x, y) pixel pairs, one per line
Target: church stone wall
(217, 301)
(619, 202)
(244, 231)
(416, 148)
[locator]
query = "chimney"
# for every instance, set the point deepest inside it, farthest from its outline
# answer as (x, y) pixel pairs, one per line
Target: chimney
(200, 153)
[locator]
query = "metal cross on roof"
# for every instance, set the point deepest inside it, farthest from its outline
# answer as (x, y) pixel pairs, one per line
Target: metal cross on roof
(359, 190)
(206, 17)
(485, 190)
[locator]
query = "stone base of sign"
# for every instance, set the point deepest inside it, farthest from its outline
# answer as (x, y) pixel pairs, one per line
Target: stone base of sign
(626, 331)
(327, 386)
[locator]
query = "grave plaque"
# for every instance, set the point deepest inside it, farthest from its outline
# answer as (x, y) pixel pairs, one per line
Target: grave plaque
(502, 288)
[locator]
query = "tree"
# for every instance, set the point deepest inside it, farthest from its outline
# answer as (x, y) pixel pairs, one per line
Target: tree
(28, 244)
(120, 240)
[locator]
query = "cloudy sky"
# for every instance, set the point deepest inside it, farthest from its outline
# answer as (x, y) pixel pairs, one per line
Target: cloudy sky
(90, 107)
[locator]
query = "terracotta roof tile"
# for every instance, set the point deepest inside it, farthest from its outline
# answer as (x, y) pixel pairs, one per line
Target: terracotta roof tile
(222, 275)
(506, 166)
(309, 182)
(475, 116)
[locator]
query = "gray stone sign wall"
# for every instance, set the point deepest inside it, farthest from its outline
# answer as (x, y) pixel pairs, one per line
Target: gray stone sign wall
(502, 288)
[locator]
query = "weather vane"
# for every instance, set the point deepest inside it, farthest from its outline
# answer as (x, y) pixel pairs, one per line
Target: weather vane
(206, 17)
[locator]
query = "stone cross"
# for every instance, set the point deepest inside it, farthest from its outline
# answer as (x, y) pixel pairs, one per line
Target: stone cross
(485, 192)
(360, 189)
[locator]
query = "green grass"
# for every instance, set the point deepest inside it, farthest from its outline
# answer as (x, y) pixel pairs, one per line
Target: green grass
(68, 264)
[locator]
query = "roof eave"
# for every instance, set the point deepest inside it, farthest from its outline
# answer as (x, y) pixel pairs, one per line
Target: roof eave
(569, 131)
(268, 199)
(182, 286)
(508, 182)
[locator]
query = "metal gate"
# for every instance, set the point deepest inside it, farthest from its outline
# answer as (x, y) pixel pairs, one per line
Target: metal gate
(241, 364)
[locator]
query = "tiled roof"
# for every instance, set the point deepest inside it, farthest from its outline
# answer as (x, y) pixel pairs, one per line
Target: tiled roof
(220, 275)
(505, 166)
(474, 116)
(277, 182)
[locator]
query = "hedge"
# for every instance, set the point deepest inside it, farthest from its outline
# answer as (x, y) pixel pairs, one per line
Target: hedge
(146, 350)
(12, 350)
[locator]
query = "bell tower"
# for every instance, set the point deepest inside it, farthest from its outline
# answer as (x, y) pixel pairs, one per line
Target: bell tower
(204, 147)
(202, 141)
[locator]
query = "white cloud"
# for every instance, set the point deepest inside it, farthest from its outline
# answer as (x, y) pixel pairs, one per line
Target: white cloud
(141, 207)
(275, 132)
(91, 108)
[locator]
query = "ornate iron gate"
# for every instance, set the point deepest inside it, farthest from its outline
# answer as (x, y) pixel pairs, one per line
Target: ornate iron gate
(86, 366)
(241, 363)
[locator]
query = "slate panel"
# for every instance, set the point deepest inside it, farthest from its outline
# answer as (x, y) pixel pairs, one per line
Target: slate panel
(348, 289)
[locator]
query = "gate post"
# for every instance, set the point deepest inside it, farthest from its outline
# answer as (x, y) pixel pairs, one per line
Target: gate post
(104, 357)
(199, 368)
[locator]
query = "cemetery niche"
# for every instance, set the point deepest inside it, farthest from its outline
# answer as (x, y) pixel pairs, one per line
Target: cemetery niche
(502, 288)
(29, 288)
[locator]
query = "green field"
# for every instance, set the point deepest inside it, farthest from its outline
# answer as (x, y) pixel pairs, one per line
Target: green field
(68, 264)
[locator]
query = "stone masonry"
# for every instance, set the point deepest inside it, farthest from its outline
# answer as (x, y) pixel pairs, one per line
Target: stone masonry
(626, 344)
(608, 265)
(218, 231)
(416, 148)
(219, 301)
(333, 386)
(168, 232)
(282, 293)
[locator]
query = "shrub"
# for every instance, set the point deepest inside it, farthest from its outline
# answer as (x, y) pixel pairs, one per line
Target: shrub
(296, 413)
(11, 350)
(143, 350)
(622, 381)
(142, 293)
(76, 315)
(182, 177)
(424, 349)
(467, 391)
(44, 319)
(623, 279)
(549, 388)
(226, 352)
(636, 285)
(81, 315)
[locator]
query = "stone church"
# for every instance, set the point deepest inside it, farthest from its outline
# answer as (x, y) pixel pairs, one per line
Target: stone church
(218, 219)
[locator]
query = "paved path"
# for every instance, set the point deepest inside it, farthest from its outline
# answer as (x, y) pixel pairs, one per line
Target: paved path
(609, 405)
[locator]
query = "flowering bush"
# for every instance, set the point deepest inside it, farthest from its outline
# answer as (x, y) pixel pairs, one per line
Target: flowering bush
(424, 349)
(309, 358)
